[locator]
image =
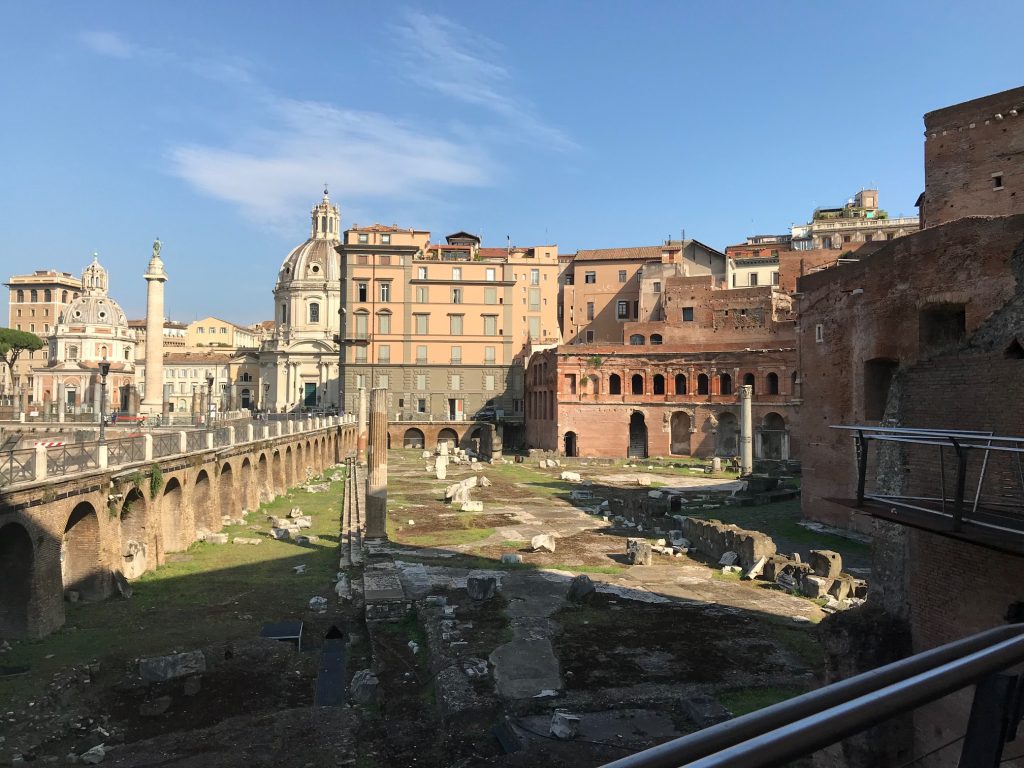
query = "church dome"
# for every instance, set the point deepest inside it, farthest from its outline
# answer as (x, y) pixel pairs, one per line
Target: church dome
(316, 260)
(94, 306)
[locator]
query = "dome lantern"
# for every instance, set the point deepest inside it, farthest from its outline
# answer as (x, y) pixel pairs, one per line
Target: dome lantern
(326, 219)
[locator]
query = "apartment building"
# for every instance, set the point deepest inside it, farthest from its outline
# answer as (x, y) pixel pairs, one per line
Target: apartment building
(214, 332)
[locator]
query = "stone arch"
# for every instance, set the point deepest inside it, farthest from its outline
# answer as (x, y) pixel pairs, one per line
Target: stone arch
(749, 381)
(656, 338)
(263, 479)
(204, 510)
(637, 436)
(277, 473)
(680, 384)
(636, 384)
(246, 486)
(81, 563)
(289, 468)
(300, 466)
(134, 539)
(473, 439)
(17, 569)
(680, 435)
(448, 435)
(772, 383)
(773, 433)
(570, 444)
(413, 438)
(172, 517)
(658, 384)
(727, 441)
(615, 384)
(226, 497)
(637, 340)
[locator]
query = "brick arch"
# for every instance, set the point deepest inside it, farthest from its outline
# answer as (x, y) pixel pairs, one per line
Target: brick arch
(247, 486)
(204, 506)
(300, 463)
(449, 434)
(289, 468)
(17, 572)
(227, 495)
(276, 473)
(263, 492)
(82, 567)
(172, 517)
(136, 534)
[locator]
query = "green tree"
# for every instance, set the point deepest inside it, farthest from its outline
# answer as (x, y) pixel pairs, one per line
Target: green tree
(13, 343)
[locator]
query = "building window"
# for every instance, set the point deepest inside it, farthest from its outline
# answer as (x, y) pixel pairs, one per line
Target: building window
(589, 277)
(422, 296)
(637, 340)
(490, 295)
(847, 238)
(657, 286)
(421, 273)
(48, 296)
(680, 384)
(72, 353)
(772, 380)
(456, 273)
(456, 324)
(637, 384)
(658, 384)
(590, 310)
(34, 295)
(725, 384)
(489, 382)
(490, 325)
(383, 381)
(421, 355)
(385, 291)
(364, 238)
(385, 239)
(775, 278)
(534, 277)
(997, 180)
(590, 337)
(687, 314)
(21, 295)
(456, 295)
(200, 330)
(360, 354)
(753, 279)
(456, 382)
(384, 322)
(456, 354)
(314, 314)
(819, 333)
(384, 353)
(622, 310)
(362, 291)
(534, 323)
(622, 275)
(489, 274)
(655, 338)
(422, 324)
(702, 384)
(534, 300)
(362, 325)
(489, 355)
(421, 405)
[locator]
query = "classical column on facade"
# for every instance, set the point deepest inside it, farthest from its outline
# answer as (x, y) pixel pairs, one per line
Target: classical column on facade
(61, 399)
(746, 430)
(156, 276)
(361, 426)
(377, 471)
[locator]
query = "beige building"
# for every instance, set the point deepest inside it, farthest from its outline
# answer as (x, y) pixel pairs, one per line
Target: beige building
(445, 326)
(35, 305)
(214, 332)
(603, 288)
(175, 335)
(859, 221)
(186, 386)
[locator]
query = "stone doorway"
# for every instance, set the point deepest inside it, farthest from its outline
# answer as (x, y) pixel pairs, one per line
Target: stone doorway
(637, 436)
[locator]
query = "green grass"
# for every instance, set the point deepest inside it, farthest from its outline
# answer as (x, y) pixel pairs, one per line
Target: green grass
(446, 537)
(730, 576)
(744, 700)
(211, 592)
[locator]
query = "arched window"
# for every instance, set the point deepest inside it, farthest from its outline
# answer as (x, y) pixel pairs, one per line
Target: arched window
(702, 384)
(725, 384)
(655, 338)
(614, 384)
(314, 312)
(34, 295)
(772, 380)
(284, 314)
(748, 381)
(127, 354)
(384, 322)
(680, 384)
(21, 295)
(658, 384)
(103, 352)
(636, 339)
(637, 384)
(63, 297)
(47, 295)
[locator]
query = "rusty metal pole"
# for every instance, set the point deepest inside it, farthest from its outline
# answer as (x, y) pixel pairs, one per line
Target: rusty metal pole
(377, 472)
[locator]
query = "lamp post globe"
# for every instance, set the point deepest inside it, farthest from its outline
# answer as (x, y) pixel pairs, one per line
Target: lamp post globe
(104, 370)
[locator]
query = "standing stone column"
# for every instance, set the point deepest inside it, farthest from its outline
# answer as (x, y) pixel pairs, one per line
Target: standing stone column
(361, 427)
(377, 473)
(61, 399)
(153, 398)
(746, 431)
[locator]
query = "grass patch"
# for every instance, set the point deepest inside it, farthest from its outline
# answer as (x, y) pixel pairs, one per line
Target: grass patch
(745, 700)
(799, 639)
(446, 537)
(727, 576)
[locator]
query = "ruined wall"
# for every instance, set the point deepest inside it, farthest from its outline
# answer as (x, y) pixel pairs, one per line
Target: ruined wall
(860, 322)
(714, 538)
(966, 147)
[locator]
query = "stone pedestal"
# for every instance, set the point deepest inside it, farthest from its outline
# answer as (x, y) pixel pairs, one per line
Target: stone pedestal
(377, 473)
(746, 430)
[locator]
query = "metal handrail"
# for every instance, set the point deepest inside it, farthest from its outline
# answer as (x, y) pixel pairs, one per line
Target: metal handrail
(74, 457)
(17, 465)
(126, 450)
(802, 725)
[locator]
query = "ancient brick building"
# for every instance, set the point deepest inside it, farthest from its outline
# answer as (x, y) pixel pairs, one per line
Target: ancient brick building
(972, 159)
(671, 387)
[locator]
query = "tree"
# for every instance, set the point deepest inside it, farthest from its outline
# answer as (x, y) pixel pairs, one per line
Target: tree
(13, 343)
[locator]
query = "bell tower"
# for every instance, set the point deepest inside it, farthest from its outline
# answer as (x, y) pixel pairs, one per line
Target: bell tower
(326, 220)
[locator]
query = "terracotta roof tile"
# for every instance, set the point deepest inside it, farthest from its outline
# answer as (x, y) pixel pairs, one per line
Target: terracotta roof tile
(644, 252)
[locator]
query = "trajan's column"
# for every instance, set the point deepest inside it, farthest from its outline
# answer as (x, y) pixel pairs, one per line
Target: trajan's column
(153, 398)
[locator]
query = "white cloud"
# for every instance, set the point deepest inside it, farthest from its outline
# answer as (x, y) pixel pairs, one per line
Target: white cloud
(362, 154)
(460, 64)
(106, 43)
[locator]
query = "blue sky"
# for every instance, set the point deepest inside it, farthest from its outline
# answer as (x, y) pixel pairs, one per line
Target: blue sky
(586, 124)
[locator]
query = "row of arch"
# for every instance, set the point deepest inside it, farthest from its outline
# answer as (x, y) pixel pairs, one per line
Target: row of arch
(641, 384)
(134, 535)
(413, 437)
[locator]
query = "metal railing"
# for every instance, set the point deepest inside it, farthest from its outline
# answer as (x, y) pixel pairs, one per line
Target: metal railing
(800, 726)
(978, 477)
(126, 450)
(241, 432)
(17, 466)
(74, 457)
(195, 441)
(222, 436)
(166, 444)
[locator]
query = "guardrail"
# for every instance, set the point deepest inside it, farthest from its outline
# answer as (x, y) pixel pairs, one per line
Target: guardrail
(126, 450)
(74, 457)
(17, 466)
(166, 444)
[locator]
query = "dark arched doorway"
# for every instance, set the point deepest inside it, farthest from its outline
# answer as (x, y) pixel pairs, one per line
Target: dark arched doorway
(413, 438)
(571, 448)
(727, 440)
(80, 554)
(449, 436)
(206, 513)
(637, 436)
(773, 432)
(680, 433)
(134, 547)
(171, 517)
(16, 564)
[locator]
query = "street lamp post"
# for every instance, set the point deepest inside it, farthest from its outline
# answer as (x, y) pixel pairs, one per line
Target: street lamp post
(209, 402)
(104, 370)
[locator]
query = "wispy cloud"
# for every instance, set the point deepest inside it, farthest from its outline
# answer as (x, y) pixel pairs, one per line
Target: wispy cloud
(363, 155)
(462, 65)
(106, 43)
